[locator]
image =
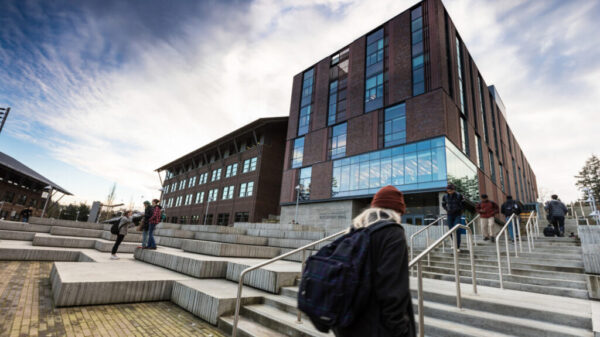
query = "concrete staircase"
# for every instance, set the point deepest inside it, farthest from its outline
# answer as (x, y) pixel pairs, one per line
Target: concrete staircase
(197, 267)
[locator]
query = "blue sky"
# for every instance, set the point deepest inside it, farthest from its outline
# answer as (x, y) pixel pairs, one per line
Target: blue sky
(107, 91)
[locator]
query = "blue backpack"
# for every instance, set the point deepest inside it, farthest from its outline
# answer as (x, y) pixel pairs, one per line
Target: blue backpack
(336, 282)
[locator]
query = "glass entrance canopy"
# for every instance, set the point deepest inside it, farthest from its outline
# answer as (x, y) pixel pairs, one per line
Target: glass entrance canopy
(422, 166)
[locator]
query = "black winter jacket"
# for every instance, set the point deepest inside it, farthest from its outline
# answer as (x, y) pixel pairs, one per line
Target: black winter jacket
(147, 215)
(556, 208)
(389, 312)
(453, 203)
(511, 207)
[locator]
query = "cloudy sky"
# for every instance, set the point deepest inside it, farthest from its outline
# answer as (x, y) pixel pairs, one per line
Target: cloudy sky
(107, 91)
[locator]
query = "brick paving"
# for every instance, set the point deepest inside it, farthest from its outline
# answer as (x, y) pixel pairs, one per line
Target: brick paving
(26, 309)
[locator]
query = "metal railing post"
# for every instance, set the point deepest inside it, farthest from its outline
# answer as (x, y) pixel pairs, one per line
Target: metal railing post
(420, 296)
(514, 238)
(456, 272)
(470, 239)
(428, 255)
(499, 263)
(299, 318)
(519, 232)
(507, 253)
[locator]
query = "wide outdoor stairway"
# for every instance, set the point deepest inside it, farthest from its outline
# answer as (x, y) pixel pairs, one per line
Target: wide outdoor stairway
(197, 267)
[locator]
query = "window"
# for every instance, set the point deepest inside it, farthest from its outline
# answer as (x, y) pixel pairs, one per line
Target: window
(249, 165)
(501, 171)
(461, 75)
(375, 44)
(178, 201)
(332, 112)
(170, 203)
(465, 135)
(227, 193)
(241, 217)
(166, 189)
(203, 178)
(173, 187)
(395, 125)
(216, 175)
(304, 182)
(192, 182)
(182, 184)
(479, 153)
(213, 194)
(306, 102)
(374, 70)
(222, 219)
(418, 53)
(298, 152)
(337, 144)
(482, 107)
(246, 189)
(374, 91)
(199, 197)
(189, 198)
(208, 219)
(22, 200)
(231, 170)
(492, 167)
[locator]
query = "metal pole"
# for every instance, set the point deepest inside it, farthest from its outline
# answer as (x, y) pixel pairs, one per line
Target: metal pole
(420, 295)
(428, 255)
(297, 201)
(46, 203)
(470, 239)
(515, 239)
(237, 304)
(499, 262)
(519, 232)
(456, 273)
(507, 252)
(299, 318)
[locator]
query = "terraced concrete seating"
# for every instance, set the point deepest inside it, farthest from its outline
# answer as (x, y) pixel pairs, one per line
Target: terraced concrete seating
(23, 227)
(228, 249)
(41, 239)
(16, 235)
(286, 227)
(65, 223)
(70, 231)
(276, 233)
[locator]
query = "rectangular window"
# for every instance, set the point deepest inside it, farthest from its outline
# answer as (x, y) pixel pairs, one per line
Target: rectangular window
(298, 152)
(332, 112)
(461, 75)
(216, 175)
(304, 181)
(227, 193)
(246, 189)
(173, 187)
(249, 165)
(482, 107)
(501, 172)
(374, 92)
(306, 102)
(204, 178)
(375, 44)
(209, 219)
(192, 182)
(395, 125)
(418, 51)
(213, 194)
(222, 219)
(492, 167)
(241, 217)
(231, 170)
(493, 113)
(166, 189)
(199, 197)
(479, 153)
(190, 198)
(182, 184)
(337, 144)
(374, 70)
(465, 135)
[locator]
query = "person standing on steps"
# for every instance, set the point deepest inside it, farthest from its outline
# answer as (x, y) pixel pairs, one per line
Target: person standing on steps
(154, 220)
(148, 211)
(509, 208)
(454, 204)
(124, 223)
(556, 212)
(487, 210)
(25, 214)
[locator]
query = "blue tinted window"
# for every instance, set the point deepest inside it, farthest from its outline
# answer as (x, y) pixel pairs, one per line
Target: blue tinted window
(338, 141)
(304, 182)
(418, 51)
(306, 102)
(395, 125)
(298, 153)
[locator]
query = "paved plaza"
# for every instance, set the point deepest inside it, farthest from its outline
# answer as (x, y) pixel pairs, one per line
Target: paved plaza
(28, 310)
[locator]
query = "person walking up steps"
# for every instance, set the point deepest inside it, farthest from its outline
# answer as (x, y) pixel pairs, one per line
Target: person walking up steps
(487, 210)
(556, 211)
(509, 208)
(453, 203)
(154, 220)
(124, 225)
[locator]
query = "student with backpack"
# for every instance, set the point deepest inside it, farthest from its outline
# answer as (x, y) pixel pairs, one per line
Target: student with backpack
(509, 208)
(124, 223)
(556, 212)
(359, 284)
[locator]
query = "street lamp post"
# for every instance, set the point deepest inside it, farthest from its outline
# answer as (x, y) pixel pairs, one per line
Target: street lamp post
(47, 199)
(206, 211)
(297, 201)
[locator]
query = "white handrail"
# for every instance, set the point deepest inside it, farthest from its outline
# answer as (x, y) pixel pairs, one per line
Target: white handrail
(504, 230)
(426, 229)
(474, 226)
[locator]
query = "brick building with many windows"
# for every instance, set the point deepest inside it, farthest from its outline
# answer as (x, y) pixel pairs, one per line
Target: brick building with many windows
(404, 105)
(236, 178)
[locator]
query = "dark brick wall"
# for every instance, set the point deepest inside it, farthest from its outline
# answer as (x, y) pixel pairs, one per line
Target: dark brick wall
(315, 147)
(425, 116)
(321, 97)
(356, 78)
(399, 47)
(292, 129)
(360, 134)
(321, 181)
(9, 207)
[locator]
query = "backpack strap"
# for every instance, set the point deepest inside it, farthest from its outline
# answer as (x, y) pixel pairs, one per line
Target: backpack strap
(380, 225)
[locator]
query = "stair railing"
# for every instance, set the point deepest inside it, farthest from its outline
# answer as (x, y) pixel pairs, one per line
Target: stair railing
(530, 230)
(504, 230)
(426, 230)
(275, 259)
(426, 252)
(472, 222)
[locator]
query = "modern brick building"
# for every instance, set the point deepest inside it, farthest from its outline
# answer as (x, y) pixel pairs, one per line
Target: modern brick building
(22, 187)
(404, 104)
(235, 178)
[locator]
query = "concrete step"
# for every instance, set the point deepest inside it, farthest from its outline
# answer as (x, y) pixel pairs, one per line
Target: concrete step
(213, 229)
(514, 263)
(463, 256)
(175, 233)
(229, 249)
(80, 232)
(23, 227)
(247, 328)
(479, 252)
(16, 235)
(65, 223)
(169, 241)
(277, 233)
(231, 238)
(280, 321)
(130, 237)
(286, 227)
(102, 245)
(556, 291)
(535, 280)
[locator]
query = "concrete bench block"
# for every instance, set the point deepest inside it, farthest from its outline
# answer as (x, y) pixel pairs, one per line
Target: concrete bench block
(231, 238)
(16, 235)
(65, 223)
(270, 278)
(276, 233)
(106, 246)
(63, 241)
(213, 229)
(210, 299)
(182, 263)
(23, 227)
(168, 241)
(18, 254)
(70, 231)
(130, 237)
(278, 226)
(167, 225)
(288, 243)
(229, 249)
(175, 233)
(82, 283)
(297, 257)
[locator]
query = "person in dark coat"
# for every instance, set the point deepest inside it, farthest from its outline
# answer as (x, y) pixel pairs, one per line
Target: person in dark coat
(146, 223)
(509, 208)
(124, 224)
(389, 311)
(25, 214)
(556, 212)
(453, 204)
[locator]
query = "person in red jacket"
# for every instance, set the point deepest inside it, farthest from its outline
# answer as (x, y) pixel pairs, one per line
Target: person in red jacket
(487, 210)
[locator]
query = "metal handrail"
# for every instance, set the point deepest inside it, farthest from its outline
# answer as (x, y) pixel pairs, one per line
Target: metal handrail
(275, 259)
(474, 226)
(426, 229)
(426, 252)
(529, 230)
(510, 220)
